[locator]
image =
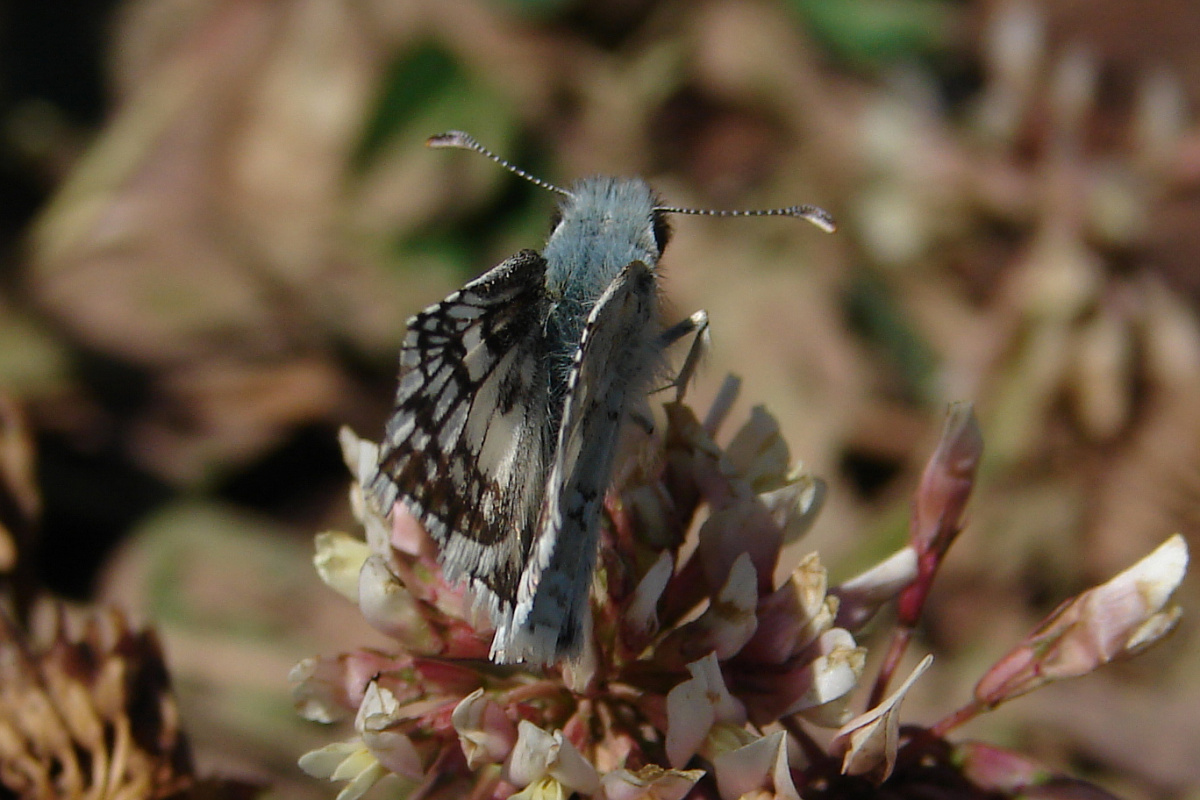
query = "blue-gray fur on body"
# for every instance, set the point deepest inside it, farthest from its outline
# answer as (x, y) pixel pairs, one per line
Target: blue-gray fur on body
(606, 224)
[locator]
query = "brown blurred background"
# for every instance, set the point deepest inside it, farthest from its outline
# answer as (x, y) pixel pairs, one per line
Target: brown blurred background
(216, 215)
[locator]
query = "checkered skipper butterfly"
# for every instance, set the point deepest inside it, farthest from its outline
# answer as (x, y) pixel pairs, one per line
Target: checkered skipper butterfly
(512, 395)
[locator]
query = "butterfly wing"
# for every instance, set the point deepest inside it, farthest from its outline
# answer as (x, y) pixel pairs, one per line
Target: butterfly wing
(467, 446)
(616, 357)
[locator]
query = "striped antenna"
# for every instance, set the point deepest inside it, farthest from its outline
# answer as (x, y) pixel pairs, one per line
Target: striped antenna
(464, 141)
(817, 216)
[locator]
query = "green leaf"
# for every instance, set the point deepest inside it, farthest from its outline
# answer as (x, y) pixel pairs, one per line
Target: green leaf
(873, 33)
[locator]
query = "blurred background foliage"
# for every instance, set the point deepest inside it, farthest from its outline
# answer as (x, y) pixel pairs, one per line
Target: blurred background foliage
(217, 214)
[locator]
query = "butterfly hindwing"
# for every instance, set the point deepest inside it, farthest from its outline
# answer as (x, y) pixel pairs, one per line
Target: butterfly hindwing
(610, 372)
(467, 444)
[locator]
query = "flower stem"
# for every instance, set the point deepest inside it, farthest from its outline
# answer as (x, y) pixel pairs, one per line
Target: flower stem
(959, 717)
(891, 662)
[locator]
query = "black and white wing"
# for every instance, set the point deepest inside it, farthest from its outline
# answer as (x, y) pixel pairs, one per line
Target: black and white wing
(468, 444)
(611, 370)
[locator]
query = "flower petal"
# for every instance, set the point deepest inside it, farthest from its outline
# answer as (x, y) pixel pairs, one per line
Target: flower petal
(689, 719)
(794, 507)
(531, 756)
(1121, 608)
(808, 684)
(325, 762)
(408, 535)
(573, 770)
(389, 608)
(486, 733)
(651, 782)
(339, 558)
(538, 755)
(834, 673)
(761, 766)
(360, 456)
(361, 782)
(757, 453)
(724, 627)
(873, 739)
(947, 481)
(694, 706)
(346, 761)
(544, 788)
(641, 615)
(377, 715)
(996, 769)
(791, 617)
(744, 526)
(330, 688)
(861, 596)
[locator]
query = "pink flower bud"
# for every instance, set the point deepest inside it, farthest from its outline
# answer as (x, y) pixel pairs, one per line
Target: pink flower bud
(946, 482)
(940, 501)
(1113, 620)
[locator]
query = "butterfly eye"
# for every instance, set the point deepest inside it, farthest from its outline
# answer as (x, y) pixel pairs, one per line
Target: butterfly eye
(662, 230)
(556, 219)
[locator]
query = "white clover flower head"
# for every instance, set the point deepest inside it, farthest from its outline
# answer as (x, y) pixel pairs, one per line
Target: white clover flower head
(713, 646)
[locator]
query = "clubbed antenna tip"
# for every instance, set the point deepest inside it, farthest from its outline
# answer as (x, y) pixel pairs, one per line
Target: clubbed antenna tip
(817, 216)
(459, 139)
(465, 141)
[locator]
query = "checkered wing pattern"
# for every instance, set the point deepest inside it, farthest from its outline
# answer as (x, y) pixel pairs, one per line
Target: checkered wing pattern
(468, 446)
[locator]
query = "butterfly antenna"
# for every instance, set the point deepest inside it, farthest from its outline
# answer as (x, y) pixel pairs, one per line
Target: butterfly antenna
(465, 141)
(817, 216)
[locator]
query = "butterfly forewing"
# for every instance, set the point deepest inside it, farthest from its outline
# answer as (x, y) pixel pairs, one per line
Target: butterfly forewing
(467, 445)
(616, 357)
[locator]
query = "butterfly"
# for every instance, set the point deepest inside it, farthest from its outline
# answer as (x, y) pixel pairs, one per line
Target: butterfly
(512, 397)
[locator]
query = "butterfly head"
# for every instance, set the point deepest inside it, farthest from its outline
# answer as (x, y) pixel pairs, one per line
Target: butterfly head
(610, 222)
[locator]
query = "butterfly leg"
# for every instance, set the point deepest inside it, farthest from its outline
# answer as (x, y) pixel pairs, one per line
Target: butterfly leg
(696, 324)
